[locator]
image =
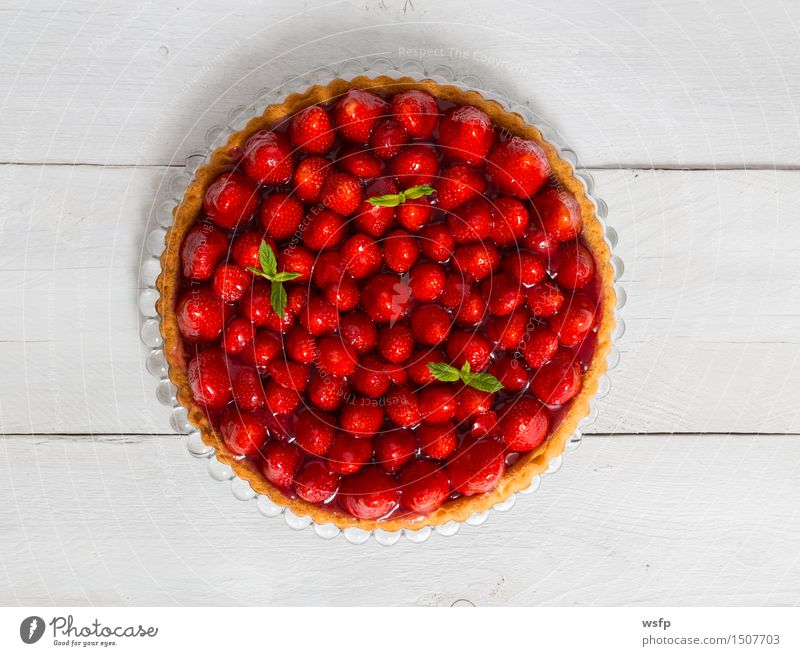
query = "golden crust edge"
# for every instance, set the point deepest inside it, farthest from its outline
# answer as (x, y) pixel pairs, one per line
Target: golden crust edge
(518, 476)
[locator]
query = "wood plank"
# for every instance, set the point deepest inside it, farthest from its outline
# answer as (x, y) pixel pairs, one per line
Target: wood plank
(712, 318)
(629, 84)
(657, 520)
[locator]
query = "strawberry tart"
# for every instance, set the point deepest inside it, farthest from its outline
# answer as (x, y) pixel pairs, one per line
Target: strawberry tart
(386, 303)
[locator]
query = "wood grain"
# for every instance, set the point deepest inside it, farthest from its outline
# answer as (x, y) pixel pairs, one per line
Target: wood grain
(713, 315)
(657, 520)
(628, 84)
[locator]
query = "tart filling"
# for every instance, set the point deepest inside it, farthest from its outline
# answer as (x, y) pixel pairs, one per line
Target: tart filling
(386, 303)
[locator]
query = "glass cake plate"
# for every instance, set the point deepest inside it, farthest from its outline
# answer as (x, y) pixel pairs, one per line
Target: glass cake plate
(172, 194)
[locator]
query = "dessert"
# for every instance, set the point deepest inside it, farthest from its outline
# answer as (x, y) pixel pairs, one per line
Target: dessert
(386, 303)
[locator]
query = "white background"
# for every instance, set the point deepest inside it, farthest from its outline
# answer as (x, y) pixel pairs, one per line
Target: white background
(686, 115)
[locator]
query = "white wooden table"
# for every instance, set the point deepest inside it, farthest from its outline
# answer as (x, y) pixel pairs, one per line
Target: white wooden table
(687, 116)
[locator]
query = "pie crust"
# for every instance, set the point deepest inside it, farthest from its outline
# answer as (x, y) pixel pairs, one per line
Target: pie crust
(519, 475)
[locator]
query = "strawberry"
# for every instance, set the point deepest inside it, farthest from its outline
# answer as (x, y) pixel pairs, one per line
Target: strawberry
(511, 373)
(360, 163)
(369, 494)
(298, 260)
(476, 261)
(257, 307)
(471, 222)
(356, 113)
(559, 213)
(508, 331)
(400, 251)
(268, 158)
(335, 357)
(362, 256)
(231, 200)
(301, 346)
(319, 317)
(573, 322)
(343, 295)
(437, 403)
(309, 176)
(374, 220)
(402, 407)
(248, 393)
(394, 449)
(237, 335)
(509, 221)
(436, 242)
(464, 346)
(311, 130)
(425, 486)
(458, 184)
(537, 240)
(472, 402)
(327, 392)
(504, 294)
(314, 431)
(395, 343)
(348, 453)
(209, 379)
(324, 230)
(396, 372)
(370, 378)
(362, 417)
(524, 424)
(417, 112)
(415, 165)
(328, 269)
(518, 167)
(455, 290)
(559, 380)
(387, 138)
(476, 467)
(315, 482)
(244, 433)
(263, 349)
(281, 400)
(414, 213)
(231, 282)
(437, 440)
(280, 463)
(426, 281)
(472, 310)
(575, 266)
(201, 315)
(418, 370)
(544, 300)
(466, 134)
(527, 267)
(341, 192)
(245, 247)
(291, 375)
(203, 248)
(359, 332)
(539, 346)
(280, 215)
(430, 324)
(386, 298)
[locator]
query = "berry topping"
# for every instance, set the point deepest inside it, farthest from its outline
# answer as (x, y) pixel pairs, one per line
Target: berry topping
(476, 467)
(370, 493)
(311, 130)
(356, 113)
(425, 486)
(268, 158)
(466, 134)
(518, 167)
(203, 248)
(231, 200)
(209, 379)
(417, 112)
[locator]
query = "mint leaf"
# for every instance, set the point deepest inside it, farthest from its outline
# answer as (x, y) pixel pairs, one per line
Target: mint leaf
(285, 276)
(465, 370)
(393, 200)
(418, 192)
(267, 259)
(277, 298)
(444, 372)
(484, 382)
(388, 200)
